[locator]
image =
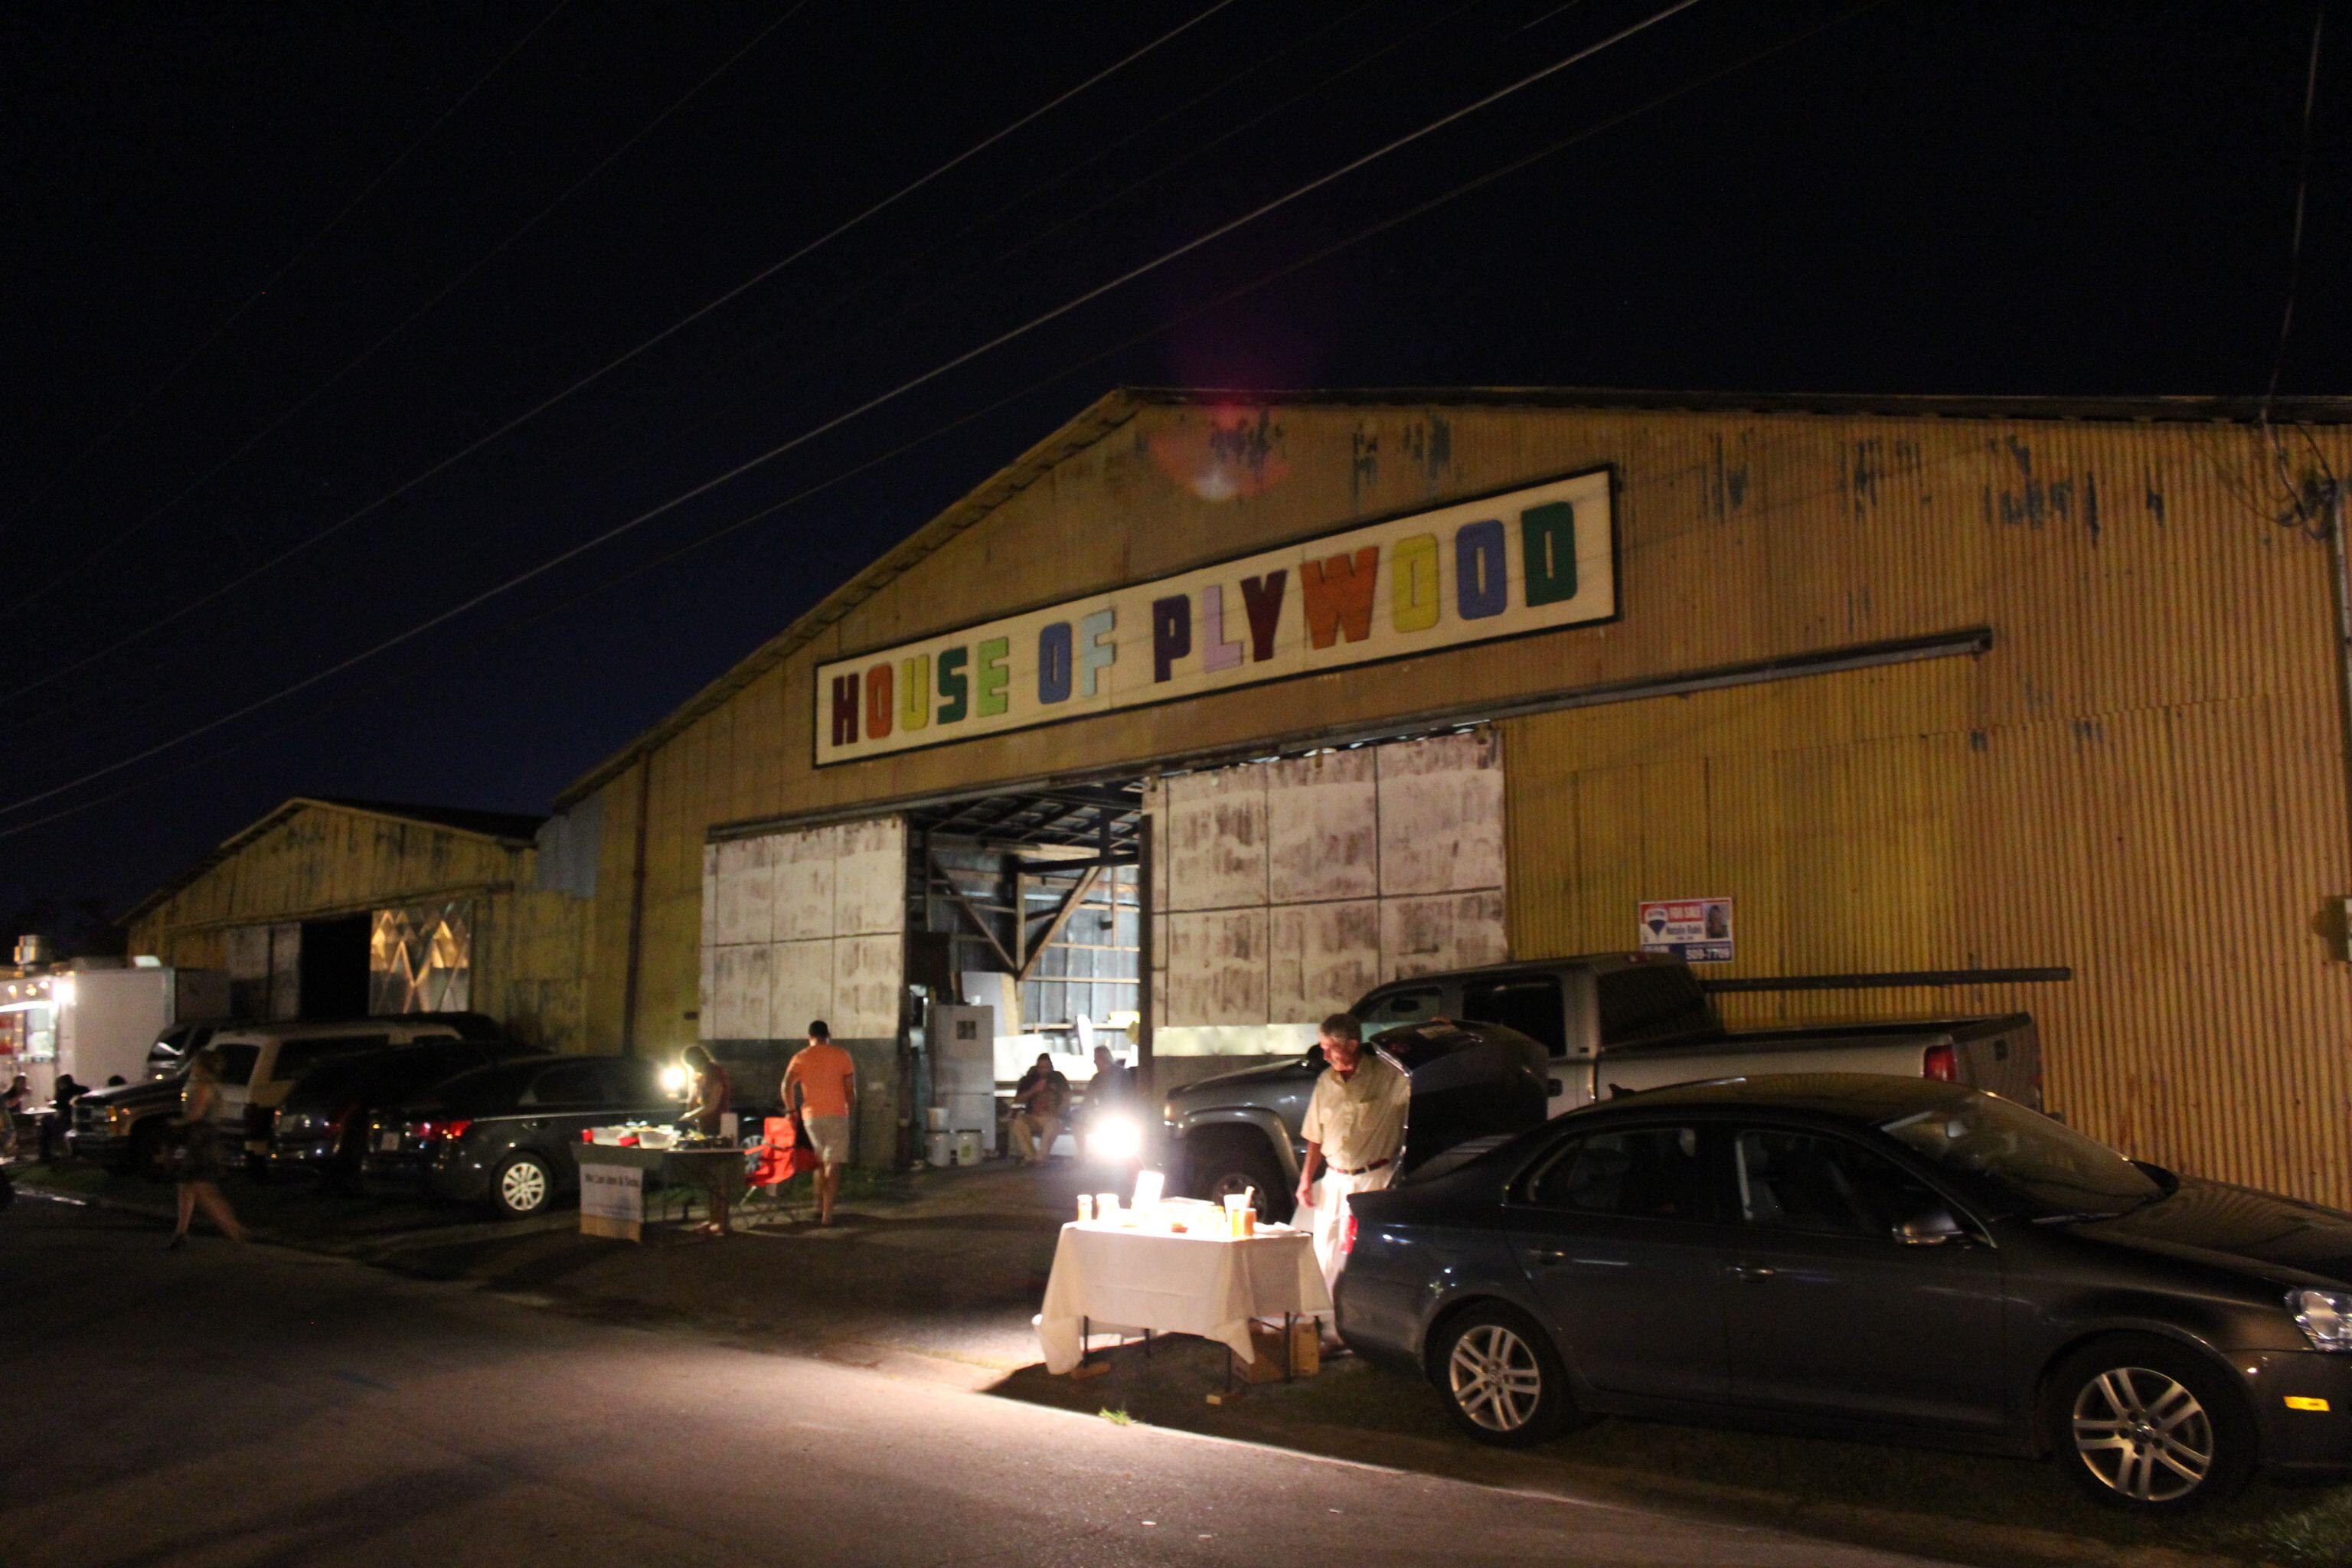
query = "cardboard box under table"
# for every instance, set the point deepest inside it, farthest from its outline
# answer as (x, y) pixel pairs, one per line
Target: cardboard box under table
(613, 1179)
(1133, 1278)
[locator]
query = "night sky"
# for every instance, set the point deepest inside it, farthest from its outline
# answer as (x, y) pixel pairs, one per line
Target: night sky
(1931, 197)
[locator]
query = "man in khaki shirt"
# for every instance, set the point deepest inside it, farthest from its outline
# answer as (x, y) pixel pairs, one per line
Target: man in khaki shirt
(1354, 1131)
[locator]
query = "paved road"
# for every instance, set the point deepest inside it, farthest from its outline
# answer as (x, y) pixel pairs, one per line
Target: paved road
(213, 1407)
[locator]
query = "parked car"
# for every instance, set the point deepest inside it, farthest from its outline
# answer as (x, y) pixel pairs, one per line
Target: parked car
(322, 1128)
(287, 1050)
(123, 1128)
(503, 1136)
(168, 1057)
(1615, 1023)
(1872, 1258)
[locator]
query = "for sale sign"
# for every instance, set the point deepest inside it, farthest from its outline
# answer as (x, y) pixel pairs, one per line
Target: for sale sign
(1697, 931)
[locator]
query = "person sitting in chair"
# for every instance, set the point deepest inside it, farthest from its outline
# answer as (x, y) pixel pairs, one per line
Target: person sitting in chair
(1040, 1102)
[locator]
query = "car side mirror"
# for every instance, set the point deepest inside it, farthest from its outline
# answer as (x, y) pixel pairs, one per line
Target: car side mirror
(1932, 1228)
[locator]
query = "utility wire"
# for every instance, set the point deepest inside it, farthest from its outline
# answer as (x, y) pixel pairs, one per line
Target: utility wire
(1194, 156)
(289, 413)
(292, 262)
(152, 626)
(2299, 506)
(607, 535)
(843, 476)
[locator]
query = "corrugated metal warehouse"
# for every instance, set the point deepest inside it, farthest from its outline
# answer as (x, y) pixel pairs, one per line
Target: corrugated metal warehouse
(1974, 707)
(340, 908)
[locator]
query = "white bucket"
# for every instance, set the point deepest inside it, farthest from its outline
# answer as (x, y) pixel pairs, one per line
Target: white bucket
(935, 1119)
(939, 1149)
(967, 1146)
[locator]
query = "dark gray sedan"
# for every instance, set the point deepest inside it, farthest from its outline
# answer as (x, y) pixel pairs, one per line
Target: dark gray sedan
(1881, 1259)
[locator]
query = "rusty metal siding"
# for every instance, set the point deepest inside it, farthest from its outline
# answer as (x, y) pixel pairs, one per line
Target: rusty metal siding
(2141, 779)
(531, 948)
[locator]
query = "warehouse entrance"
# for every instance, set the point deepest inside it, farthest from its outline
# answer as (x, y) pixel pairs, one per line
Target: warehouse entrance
(1026, 937)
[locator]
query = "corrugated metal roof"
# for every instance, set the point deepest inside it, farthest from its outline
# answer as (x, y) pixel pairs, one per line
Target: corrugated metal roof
(1118, 406)
(506, 827)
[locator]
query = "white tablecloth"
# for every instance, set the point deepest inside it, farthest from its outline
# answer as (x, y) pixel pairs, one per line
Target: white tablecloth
(1130, 1280)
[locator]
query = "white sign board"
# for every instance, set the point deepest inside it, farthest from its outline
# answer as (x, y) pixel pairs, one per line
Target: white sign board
(1529, 560)
(1697, 931)
(614, 1193)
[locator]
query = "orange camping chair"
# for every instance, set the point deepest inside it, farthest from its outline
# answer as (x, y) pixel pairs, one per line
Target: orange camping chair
(781, 1153)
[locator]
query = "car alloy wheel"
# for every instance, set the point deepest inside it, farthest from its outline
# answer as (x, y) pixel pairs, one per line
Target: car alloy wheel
(1494, 1379)
(2143, 1435)
(523, 1187)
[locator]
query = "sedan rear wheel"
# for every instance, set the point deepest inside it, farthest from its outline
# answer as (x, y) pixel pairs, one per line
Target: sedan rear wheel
(524, 1185)
(2147, 1425)
(1502, 1382)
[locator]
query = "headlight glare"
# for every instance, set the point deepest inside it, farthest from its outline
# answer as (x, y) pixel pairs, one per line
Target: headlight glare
(2325, 1317)
(1117, 1139)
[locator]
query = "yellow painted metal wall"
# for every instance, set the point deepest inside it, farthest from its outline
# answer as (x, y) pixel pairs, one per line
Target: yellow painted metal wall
(2142, 780)
(530, 947)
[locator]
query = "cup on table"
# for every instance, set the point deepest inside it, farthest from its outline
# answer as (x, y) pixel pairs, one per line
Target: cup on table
(1106, 1206)
(1237, 1206)
(1085, 1207)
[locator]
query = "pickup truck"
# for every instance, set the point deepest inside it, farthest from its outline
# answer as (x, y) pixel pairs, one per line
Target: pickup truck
(1613, 1024)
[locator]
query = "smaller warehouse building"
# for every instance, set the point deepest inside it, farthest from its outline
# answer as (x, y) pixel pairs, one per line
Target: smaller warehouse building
(329, 908)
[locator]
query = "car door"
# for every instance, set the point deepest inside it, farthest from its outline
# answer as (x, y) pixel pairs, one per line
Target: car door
(1620, 1233)
(1827, 1311)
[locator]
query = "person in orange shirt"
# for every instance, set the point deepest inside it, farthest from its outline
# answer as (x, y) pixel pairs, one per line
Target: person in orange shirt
(821, 1083)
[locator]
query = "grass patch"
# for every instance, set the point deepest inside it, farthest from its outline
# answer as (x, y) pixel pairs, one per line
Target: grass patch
(1118, 1417)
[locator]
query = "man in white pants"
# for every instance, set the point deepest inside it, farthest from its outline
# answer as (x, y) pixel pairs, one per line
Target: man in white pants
(1354, 1132)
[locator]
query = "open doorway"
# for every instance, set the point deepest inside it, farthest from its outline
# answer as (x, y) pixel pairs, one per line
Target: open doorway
(1031, 904)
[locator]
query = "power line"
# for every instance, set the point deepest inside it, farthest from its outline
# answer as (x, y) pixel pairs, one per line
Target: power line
(1371, 231)
(289, 413)
(1195, 155)
(292, 262)
(2299, 506)
(607, 535)
(152, 626)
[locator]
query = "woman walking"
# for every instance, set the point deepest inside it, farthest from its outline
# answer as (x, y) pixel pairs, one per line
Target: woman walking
(200, 1162)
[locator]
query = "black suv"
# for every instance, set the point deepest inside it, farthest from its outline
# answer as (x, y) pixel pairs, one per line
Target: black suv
(322, 1128)
(503, 1135)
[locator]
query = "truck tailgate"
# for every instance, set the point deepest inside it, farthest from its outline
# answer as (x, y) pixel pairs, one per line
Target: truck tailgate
(2004, 1055)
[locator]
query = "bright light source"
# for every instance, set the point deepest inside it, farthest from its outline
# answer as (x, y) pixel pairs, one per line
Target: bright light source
(673, 1080)
(1117, 1139)
(62, 994)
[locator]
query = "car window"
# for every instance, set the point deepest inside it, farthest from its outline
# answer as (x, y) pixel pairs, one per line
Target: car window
(1823, 1186)
(632, 1082)
(572, 1083)
(1652, 1002)
(1398, 1008)
(236, 1063)
(1531, 1007)
(297, 1056)
(1645, 1173)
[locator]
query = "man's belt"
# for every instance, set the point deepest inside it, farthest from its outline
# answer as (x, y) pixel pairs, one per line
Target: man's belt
(1363, 1170)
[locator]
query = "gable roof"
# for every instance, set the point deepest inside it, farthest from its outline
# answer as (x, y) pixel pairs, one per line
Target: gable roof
(1116, 408)
(510, 828)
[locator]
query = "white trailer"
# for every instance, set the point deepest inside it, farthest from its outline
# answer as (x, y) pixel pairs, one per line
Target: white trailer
(107, 1019)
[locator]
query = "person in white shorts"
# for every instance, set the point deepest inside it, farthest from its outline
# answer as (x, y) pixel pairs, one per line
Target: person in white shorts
(821, 1083)
(1354, 1131)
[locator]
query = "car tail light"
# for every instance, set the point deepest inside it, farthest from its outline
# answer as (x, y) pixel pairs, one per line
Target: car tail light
(449, 1131)
(1943, 1064)
(1347, 1235)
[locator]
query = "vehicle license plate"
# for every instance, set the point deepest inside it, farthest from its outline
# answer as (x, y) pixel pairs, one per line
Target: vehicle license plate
(389, 1142)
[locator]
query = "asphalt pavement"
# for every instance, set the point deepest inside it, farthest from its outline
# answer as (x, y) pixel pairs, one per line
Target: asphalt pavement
(219, 1406)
